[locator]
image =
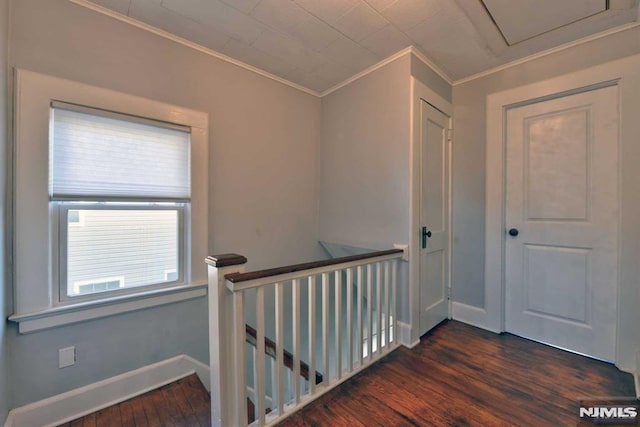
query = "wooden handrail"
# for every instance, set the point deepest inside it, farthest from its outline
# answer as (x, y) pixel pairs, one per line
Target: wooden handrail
(270, 349)
(253, 275)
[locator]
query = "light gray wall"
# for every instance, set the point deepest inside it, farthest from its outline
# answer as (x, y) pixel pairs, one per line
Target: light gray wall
(5, 290)
(469, 125)
(263, 186)
(469, 175)
(106, 347)
(430, 79)
(364, 161)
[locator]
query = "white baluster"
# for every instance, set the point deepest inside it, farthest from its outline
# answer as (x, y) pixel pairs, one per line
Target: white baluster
(325, 328)
(312, 334)
(379, 306)
(338, 309)
(360, 337)
(349, 289)
(279, 346)
(387, 317)
(295, 302)
(239, 332)
(369, 312)
(254, 366)
(260, 379)
(394, 275)
(273, 365)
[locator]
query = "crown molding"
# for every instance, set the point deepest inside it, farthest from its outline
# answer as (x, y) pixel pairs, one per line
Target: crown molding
(551, 51)
(366, 71)
(167, 35)
(406, 51)
(429, 63)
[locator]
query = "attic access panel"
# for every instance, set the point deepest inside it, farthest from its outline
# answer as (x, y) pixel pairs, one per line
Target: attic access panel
(523, 19)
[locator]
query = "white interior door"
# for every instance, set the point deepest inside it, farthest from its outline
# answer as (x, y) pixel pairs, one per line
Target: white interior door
(434, 217)
(562, 222)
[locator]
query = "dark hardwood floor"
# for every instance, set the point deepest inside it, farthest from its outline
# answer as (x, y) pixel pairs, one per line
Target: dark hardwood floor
(457, 376)
(464, 376)
(182, 403)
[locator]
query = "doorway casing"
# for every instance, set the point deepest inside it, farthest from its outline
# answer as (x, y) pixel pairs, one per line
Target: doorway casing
(497, 106)
(420, 92)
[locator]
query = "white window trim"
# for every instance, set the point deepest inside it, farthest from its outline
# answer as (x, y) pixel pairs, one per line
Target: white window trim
(35, 302)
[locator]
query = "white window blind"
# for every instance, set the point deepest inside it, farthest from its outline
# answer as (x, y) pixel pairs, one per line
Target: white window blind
(97, 155)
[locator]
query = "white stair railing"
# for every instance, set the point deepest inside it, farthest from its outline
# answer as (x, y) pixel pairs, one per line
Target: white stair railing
(336, 324)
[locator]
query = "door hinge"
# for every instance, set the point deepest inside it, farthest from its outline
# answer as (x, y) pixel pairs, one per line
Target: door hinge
(449, 135)
(448, 293)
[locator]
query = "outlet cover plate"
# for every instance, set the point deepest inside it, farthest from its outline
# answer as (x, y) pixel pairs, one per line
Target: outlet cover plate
(66, 357)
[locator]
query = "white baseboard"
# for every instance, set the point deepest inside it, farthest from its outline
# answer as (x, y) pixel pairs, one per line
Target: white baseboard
(404, 335)
(85, 400)
(469, 314)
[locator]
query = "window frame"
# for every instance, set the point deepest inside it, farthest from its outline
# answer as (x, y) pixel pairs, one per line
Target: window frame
(36, 304)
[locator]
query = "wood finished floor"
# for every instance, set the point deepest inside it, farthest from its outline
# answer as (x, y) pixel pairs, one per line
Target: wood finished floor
(457, 376)
(184, 403)
(464, 376)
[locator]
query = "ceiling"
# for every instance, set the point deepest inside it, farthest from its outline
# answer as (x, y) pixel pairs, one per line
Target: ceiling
(320, 43)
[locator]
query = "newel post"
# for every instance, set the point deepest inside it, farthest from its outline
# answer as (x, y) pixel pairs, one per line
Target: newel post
(222, 360)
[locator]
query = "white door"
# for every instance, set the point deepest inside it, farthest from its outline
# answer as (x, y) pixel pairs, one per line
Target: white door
(562, 222)
(434, 217)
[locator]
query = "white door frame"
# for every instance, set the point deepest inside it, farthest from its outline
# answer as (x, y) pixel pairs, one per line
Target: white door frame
(419, 91)
(497, 104)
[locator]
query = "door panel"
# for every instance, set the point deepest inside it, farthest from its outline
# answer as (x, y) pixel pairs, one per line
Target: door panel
(434, 258)
(562, 197)
(433, 169)
(435, 263)
(557, 150)
(546, 265)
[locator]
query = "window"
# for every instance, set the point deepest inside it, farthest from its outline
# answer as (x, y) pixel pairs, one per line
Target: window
(128, 179)
(110, 199)
(138, 242)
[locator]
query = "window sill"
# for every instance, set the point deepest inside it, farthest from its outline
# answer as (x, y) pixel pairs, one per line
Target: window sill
(64, 315)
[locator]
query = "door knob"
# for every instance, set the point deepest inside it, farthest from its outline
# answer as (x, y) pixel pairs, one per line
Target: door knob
(513, 232)
(425, 234)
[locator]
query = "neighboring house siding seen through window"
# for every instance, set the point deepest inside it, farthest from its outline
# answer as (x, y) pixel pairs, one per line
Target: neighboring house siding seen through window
(110, 196)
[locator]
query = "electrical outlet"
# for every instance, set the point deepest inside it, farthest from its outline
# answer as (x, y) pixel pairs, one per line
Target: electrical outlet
(66, 357)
